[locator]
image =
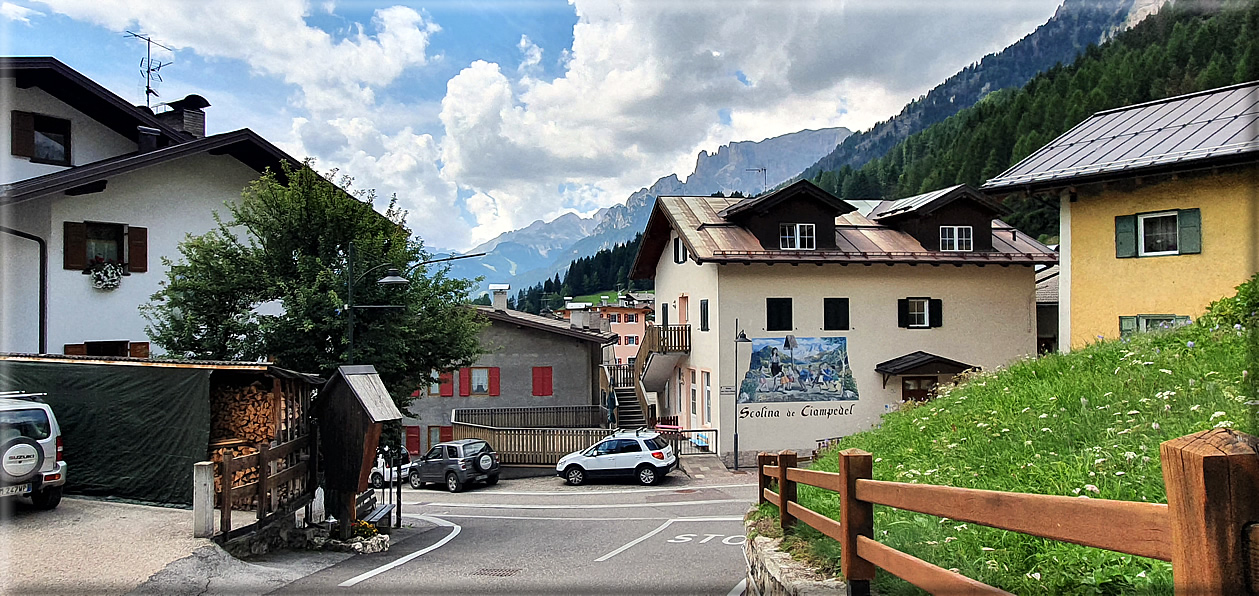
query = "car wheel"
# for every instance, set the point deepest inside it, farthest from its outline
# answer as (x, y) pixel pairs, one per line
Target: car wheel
(647, 475)
(575, 475)
(491, 481)
(48, 498)
(415, 481)
(377, 480)
(452, 482)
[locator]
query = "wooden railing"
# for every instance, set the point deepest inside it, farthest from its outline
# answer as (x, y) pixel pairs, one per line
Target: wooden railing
(531, 446)
(665, 420)
(671, 338)
(533, 417)
(272, 495)
(1208, 530)
(621, 375)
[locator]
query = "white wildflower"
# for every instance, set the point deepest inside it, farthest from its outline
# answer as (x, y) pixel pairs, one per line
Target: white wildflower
(1217, 415)
(1092, 489)
(1194, 408)
(1119, 473)
(1164, 370)
(1130, 455)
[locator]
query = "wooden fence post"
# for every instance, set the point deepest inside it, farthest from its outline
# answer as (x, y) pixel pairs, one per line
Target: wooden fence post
(762, 459)
(1212, 480)
(786, 488)
(203, 499)
(225, 494)
(857, 518)
(263, 464)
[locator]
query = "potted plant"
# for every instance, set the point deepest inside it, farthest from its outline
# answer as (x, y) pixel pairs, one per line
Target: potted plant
(106, 273)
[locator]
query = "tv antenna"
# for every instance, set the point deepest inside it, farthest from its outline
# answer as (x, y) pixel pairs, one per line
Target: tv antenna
(150, 67)
(762, 171)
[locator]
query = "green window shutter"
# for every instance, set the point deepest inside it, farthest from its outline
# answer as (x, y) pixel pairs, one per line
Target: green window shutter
(1127, 326)
(1189, 237)
(1125, 236)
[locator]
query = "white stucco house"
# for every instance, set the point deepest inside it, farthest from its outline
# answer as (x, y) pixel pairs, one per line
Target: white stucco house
(90, 179)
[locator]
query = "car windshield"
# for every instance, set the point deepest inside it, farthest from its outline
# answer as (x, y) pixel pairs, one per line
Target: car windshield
(475, 449)
(32, 424)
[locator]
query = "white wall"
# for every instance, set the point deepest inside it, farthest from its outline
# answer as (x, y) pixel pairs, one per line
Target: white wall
(171, 200)
(90, 141)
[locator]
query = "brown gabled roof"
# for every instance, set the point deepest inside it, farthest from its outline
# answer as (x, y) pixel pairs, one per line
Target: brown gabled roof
(764, 202)
(560, 326)
(709, 237)
(245, 145)
(926, 203)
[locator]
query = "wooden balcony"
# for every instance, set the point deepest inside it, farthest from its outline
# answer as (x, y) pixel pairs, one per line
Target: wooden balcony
(668, 339)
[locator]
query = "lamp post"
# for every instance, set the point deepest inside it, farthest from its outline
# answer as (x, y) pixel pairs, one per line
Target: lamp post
(741, 338)
(393, 277)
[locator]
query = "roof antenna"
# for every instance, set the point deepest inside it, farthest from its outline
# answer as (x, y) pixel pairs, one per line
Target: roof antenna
(149, 67)
(760, 169)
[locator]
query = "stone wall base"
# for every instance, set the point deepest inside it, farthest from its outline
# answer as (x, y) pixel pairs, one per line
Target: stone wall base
(772, 572)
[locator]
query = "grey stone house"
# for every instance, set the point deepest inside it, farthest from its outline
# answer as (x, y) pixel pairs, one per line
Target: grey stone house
(531, 361)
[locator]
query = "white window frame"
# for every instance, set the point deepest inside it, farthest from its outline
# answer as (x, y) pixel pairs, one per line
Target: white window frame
(1141, 234)
(631, 340)
(926, 312)
(694, 394)
(708, 396)
(796, 235)
(472, 380)
(954, 241)
(435, 383)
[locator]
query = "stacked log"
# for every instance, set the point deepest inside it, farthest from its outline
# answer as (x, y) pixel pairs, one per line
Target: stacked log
(245, 413)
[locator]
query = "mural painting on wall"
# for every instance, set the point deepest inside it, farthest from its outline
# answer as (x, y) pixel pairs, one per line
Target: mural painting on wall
(787, 369)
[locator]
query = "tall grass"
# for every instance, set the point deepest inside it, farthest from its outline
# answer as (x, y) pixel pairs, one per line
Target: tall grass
(1086, 424)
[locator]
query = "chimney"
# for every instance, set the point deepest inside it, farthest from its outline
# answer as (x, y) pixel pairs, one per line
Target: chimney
(605, 325)
(577, 319)
(147, 138)
(187, 115)
(499, 292)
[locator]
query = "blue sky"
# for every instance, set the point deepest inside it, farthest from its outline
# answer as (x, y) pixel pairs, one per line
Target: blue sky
(483, 116)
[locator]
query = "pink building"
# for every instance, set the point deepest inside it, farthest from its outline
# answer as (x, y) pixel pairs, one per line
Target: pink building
(628, 319)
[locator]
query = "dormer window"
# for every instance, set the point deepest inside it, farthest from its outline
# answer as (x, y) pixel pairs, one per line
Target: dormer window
(43, 139)
(956, 238)
(796, 236)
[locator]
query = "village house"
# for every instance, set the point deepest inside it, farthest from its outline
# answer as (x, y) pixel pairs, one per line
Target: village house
(818, 318)
(531, 361)
(627, 317)
(93, 183)
(1158, 210)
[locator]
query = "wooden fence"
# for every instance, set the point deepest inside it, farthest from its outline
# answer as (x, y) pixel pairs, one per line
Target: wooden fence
(670, 338)
(283, 486)
(533, 417)
(531, 446)
(1208, 530)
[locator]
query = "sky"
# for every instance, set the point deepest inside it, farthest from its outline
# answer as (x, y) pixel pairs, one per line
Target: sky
(483, 116)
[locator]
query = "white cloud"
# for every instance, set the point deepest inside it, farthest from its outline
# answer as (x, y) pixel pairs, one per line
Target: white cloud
(531, 54)
(17, 13)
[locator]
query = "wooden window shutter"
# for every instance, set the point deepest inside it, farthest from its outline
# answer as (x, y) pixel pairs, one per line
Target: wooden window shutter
(74, 349)
(1125, 236)
(703, 315)
(22, 134)
(137, 249)
(494, 380)
(74, 246)
(1189, 236)
(465, 382)
(677, 255)
(138, 349)
(835, 314)
(542, 381)
(935, 312)
(447, 433)
(446, 382)
(1127, 326)
(902, 312)
(664, 315)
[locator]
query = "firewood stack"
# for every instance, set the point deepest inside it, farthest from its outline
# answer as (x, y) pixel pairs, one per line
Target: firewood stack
(244, 413)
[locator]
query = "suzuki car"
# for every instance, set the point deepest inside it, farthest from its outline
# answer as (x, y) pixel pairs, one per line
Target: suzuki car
(456, 463)
(31, 462)
(643, 455)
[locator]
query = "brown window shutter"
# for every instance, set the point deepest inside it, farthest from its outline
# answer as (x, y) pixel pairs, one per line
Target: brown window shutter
(74, 246)
(74, 349)
(23, 131)
(138, 349)
(137, 249)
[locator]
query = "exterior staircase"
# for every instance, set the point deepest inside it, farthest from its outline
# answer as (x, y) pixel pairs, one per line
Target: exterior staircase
(628, 412)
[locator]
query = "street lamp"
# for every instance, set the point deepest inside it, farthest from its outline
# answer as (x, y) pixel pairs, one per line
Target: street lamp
(393, 277)
(741, 338)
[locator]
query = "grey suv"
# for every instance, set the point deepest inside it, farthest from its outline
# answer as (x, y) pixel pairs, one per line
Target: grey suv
(31, 461)
(456, 463)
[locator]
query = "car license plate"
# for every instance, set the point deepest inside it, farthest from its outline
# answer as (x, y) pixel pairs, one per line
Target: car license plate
(20, 489)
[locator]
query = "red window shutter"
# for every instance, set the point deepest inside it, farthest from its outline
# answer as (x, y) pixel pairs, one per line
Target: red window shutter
(74, 349)
(494, 381)
(413, 439)
(23, 134)
(542, 381)
(74, 246)
(138, 349)
(137, 249)
(447, 381)
(447, 434)
(465, 382)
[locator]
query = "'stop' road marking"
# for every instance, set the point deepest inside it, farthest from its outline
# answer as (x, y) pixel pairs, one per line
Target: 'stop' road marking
(593, 506)
(660, 529)
(404, 560)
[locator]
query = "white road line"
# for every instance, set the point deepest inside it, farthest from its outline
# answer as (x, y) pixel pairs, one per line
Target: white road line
(739, 588)
(660, 529)
(404, 560)
(597, 506)
(560, 493)
(526, 517)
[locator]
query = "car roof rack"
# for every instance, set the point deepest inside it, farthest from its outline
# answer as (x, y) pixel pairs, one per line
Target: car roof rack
(26, 395)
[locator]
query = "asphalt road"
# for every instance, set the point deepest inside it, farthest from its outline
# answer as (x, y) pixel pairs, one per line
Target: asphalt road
(538, 536)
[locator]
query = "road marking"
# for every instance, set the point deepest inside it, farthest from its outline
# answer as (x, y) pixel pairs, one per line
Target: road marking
(739, 588)
(660, 529)
(560, 493)
(527, 517)
(404, 560)
(597, 506)
(684, 538)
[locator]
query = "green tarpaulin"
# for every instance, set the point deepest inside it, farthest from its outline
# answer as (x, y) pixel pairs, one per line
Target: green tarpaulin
(132, 432)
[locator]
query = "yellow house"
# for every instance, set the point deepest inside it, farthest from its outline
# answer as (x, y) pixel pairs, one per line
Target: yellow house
(1159, 208)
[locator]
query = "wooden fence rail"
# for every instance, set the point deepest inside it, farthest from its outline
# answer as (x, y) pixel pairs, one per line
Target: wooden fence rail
(533, 416)
(274, 493)
(1208, 530)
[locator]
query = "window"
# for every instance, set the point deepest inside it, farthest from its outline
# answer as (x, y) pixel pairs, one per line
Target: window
(796, 236)
(631, 317)
(694, 394)
(708, 396)
(43, 139)
(104, 243)
(628, 446)
(956, 238)
(919, 313)
(478, 381)
(133, 349)
(435, 383)
(1133, 324)
(452, 452)
(614, 318)
(87, 243)
(435, 452)
(918, 388)
(778, 314)
(1158, 234)
(679, 251)
(681, 389)
(542, 381)
(835, 314)
(631, 340)
(703, 315)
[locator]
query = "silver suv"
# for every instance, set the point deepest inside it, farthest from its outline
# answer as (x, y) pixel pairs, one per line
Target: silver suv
(456, 463)
(31, 462)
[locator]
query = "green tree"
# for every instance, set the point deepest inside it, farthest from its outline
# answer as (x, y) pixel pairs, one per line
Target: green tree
(285, 248)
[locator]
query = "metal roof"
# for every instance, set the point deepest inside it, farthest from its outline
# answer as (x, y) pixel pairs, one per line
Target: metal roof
(225, 365)
(560, 326)
(907, 204)
(1176, 132)
(1047, 285)
(921, 363)
(928, 202)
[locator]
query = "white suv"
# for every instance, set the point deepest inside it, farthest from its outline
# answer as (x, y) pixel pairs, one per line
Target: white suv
(643, 455)
(31, 462)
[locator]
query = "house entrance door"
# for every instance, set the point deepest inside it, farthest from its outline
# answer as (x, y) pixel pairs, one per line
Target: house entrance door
(918, 388)
(682, 309)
